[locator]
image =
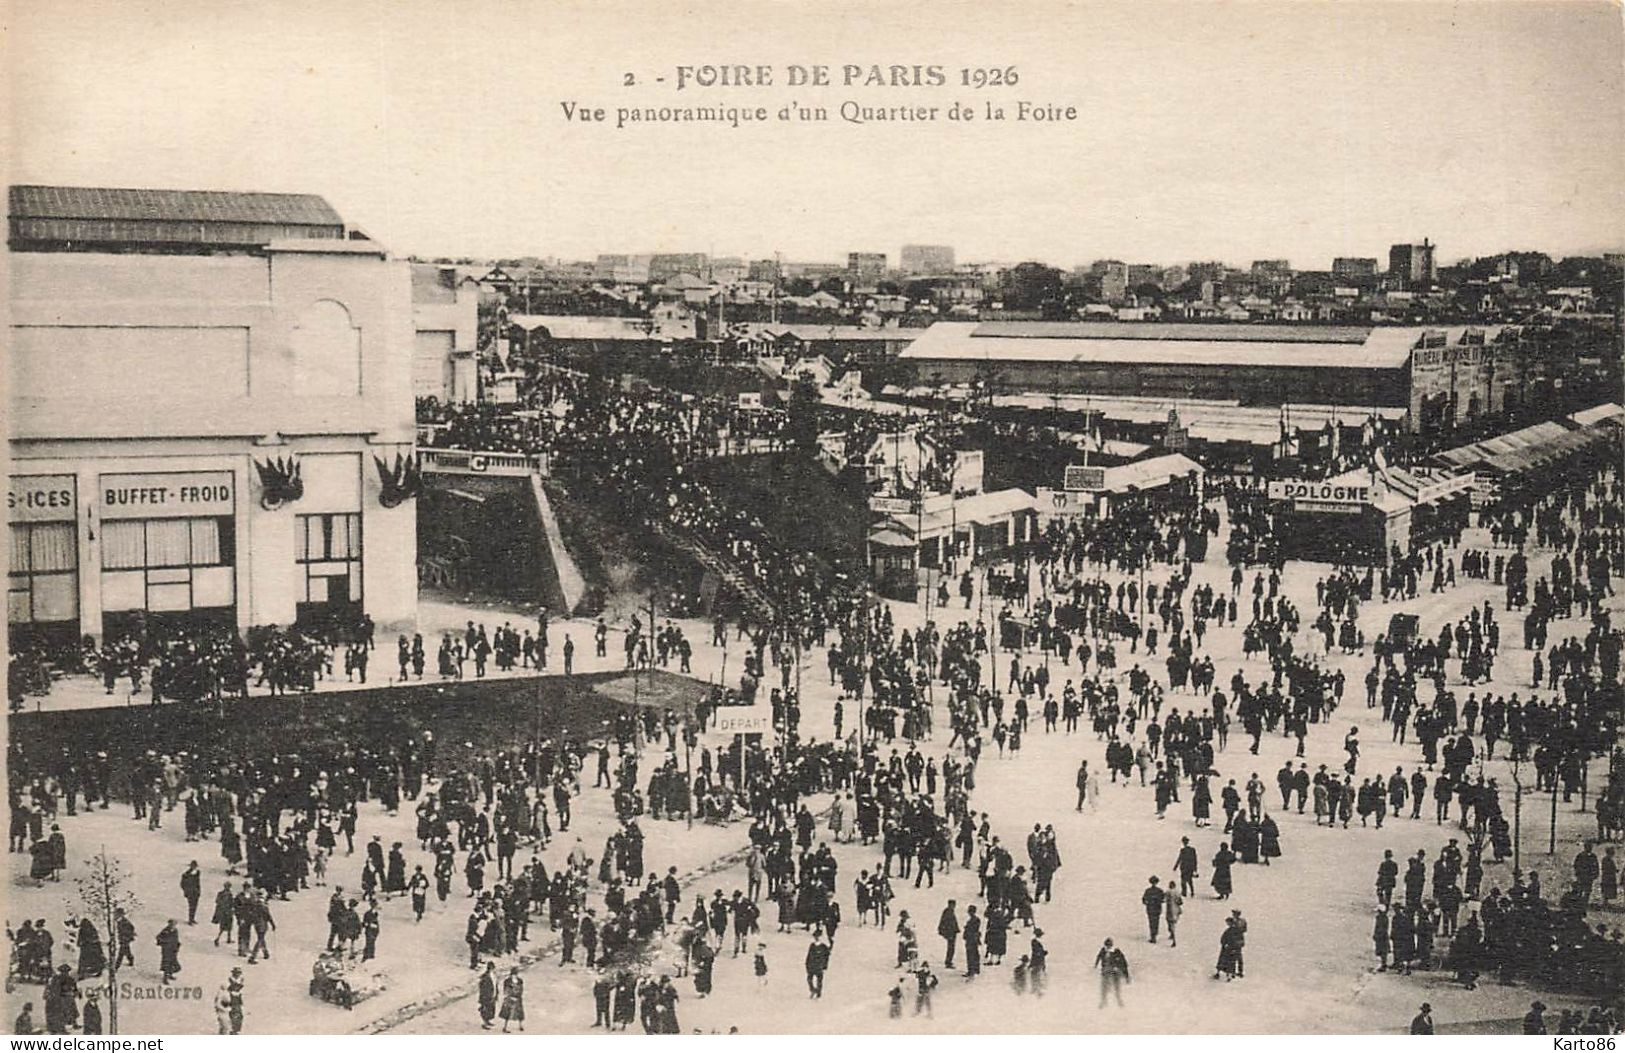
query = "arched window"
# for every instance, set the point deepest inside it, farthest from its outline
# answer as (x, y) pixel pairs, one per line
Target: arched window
(326, 351)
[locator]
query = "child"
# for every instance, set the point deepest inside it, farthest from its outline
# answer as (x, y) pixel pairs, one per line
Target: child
(896, 996)
(318, 865)
(760, 964)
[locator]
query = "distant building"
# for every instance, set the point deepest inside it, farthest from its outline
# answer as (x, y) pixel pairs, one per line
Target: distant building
(763, 271)
(1113, 280)
(666, 265)
(1413, 266)
(927, 259)
(621, 268)
(1144, 274)
(813, 271)
(727, 269)
(866, 266)
(1355, 267)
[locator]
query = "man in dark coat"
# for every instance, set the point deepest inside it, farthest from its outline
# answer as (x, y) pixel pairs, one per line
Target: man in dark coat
(61, 1001)
(192, 889)
(973, 942)
(488, 995)
(223, 914)
(948, 929)
(1152, 899)
(169, 947)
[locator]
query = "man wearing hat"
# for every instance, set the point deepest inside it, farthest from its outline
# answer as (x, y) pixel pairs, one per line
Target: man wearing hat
(1534, 1021)
(1422, 1022)
(1153, 899)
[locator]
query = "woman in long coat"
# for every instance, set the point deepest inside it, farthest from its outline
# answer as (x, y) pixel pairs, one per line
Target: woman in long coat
(1269, 839)
(1201, 801)
(996, 942)
(92, 959)
(1245, 837)
(1222, 862)
(626, 999)
(61, 1001)
(513, 1000)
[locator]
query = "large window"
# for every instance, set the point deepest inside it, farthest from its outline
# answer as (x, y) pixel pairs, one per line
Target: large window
(328, 551)
(168, 564)
(42, 584)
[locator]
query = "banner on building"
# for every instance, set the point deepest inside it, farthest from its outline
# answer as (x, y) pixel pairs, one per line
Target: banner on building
(891, 506)
(1320, 491)
(42, 499)
(1083, 477)
(160, 495)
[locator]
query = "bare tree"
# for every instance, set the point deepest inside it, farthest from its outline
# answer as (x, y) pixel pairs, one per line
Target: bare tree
(104, 891)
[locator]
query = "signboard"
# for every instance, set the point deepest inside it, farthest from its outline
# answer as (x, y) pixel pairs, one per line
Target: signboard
(1327, 506)
(1322, 491)
(1084, 477)
(42, 499)
(1068, 504)
(751, 400)
(163, 495)
(891, 506)
(968, 469)
(744, 720)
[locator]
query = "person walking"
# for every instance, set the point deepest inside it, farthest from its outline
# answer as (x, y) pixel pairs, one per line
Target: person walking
(513, 991)
(1153, 899)
(1113, 968)
(488, 996)
(169, 947)
(224, 911)
(1173, 907)
(192, 889)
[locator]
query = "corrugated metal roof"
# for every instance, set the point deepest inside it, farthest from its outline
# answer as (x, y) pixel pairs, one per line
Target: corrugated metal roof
(213, 206)
(1382, 349)
(1278, 334)
(1605, 412)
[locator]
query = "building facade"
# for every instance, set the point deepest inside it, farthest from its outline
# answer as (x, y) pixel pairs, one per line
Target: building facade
(196, 426)
(866, 266)
(1413, 266)
(927, 259)
(445, 323)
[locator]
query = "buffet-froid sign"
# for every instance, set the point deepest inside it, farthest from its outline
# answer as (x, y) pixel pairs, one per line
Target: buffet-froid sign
(41, 499)
(1320, 492)
(161, 495)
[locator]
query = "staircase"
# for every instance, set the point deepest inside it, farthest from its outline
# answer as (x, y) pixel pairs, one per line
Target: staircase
(749, 593)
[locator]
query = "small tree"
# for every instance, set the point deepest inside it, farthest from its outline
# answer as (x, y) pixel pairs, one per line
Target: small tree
(103, 891)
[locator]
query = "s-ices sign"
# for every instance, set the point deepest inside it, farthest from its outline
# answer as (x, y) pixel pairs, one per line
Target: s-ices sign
(42, 499)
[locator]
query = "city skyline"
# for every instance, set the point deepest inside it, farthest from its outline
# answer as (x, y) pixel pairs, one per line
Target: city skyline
(438, 128)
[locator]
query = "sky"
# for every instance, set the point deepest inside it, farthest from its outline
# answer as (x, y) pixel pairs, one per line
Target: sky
(1234, 131)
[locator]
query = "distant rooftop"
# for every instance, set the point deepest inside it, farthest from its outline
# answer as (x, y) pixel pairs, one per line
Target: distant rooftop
(1244, 346)
(58, 218)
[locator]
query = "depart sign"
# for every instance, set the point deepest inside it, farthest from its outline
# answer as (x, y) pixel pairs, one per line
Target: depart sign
(744, 720)
(167, 495)
(1321, 492)
(42, 499)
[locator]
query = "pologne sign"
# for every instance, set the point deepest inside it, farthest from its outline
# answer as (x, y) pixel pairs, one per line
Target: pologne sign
(1326, 492)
